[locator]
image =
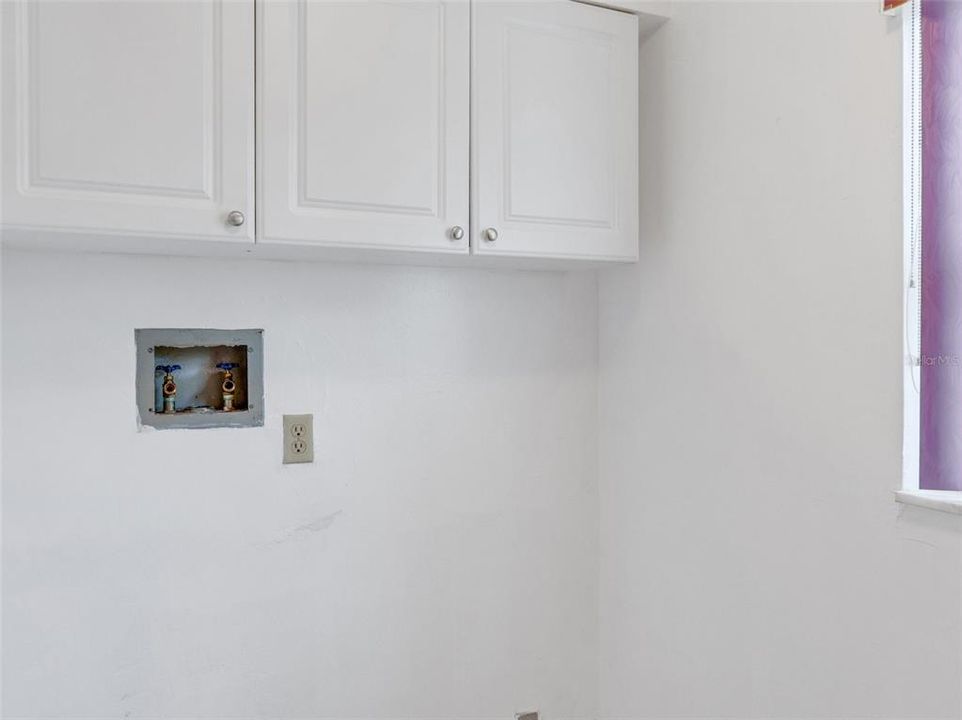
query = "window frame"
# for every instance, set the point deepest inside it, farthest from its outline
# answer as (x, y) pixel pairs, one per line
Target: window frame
(912, 359)
(912, 245)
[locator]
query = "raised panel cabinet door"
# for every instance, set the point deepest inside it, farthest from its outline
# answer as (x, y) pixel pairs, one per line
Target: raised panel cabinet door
(129, 117)
(555, 131)
(363, 112)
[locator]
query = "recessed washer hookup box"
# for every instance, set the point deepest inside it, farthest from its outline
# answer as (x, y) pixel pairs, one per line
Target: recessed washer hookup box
(198, 378)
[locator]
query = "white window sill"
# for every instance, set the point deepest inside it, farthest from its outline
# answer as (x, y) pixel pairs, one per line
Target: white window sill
(949, 501)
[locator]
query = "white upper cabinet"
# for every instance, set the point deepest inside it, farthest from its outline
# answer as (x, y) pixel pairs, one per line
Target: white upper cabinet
(129, 118)
(555, 131)
(438, 126)
(363, 123)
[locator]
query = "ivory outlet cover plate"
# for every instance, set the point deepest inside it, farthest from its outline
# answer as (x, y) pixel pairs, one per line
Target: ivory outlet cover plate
(298, 439)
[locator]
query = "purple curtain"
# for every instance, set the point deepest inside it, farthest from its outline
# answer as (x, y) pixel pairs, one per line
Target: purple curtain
(941, 418)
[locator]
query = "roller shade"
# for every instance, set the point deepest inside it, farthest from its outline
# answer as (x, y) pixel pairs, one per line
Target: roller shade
(940, 466)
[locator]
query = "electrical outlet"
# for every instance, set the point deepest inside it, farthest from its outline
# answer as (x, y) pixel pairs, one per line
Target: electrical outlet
(298, 439)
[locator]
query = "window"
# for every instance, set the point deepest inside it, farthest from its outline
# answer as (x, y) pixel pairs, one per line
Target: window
(933, 253)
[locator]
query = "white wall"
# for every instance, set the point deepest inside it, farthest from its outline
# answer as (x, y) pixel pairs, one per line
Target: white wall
(439, 559)
(753, 561)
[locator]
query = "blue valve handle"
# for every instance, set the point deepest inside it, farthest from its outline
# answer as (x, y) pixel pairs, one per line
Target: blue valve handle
(168, 368)
(227, 365)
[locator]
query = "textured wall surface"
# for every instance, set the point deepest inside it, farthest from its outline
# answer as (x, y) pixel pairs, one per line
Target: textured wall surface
(754, 563)
(439, 559)
(739, 396)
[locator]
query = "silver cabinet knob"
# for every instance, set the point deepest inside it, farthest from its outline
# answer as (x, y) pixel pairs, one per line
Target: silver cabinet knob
(457, 232)
(235, 218)
(490, 234)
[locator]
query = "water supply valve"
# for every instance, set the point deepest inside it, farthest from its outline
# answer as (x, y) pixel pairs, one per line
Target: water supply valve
(169, 388)
(229, 385)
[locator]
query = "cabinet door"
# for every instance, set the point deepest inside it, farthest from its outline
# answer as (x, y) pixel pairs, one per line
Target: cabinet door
(363, 111)
(129, 118)
(555, 132)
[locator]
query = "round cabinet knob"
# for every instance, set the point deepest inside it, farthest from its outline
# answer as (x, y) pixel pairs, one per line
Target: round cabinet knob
(235, 218)
(490, 234)
(457, 232)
